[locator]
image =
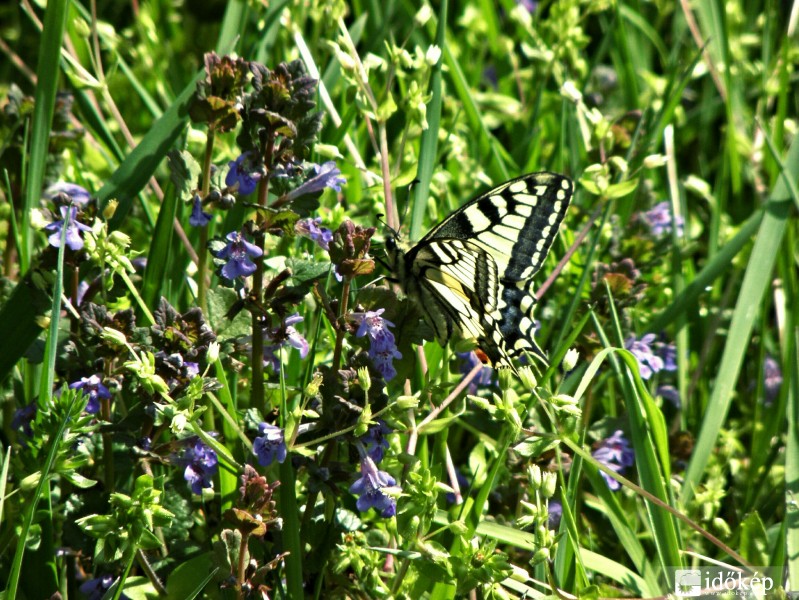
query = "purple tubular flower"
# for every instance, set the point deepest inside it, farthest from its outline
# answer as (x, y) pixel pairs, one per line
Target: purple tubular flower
(95, 589)
(77, 194)
(383, 347)
(614, 452)
(649, 363)
(326, 175)
(375, 440)
(293, 337)
(270, 445)
(23, 417)
(659, 219)
(467, 362)
(670, 393)
(201, 465)
(310, 228)
(238, 253)
(247, 179)
(73, 227)
(93, 387)
(555, 510)
(668, 353)
(369, 488)
(198, 217)
(772, 380)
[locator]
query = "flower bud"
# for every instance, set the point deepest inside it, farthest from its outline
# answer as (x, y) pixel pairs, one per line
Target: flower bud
(114, 336)
(653, 161)
(570, 360)
(528, 378)
(213, 352)
(406, 402)
(569, 91)
(110, 209)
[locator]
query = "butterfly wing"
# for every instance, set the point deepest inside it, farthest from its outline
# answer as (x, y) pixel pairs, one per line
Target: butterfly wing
(473, 271)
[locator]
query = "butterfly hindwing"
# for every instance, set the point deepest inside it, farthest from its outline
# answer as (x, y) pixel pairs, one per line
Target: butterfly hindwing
(472, 273)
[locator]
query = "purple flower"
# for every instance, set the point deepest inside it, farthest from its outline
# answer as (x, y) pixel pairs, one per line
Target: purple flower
(670, 393)
(383, 347)
(23, 417)
(198, 217)
(772, 380)
(369, 488)
(201, 464)
(77, 194)
(291, 336)
(555, 510)
(270, 445)
(93, 387)
(668, 353)
(375, 440)
(237, 252)
(659, 219)
(326, 175)
(649, 363)
(243, 173)
(467, 362)
(310, 228)
(95, 589)
(614, 452)
(73, 239)
(529, 5)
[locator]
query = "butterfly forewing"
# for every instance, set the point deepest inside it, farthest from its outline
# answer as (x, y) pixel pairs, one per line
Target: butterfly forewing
(472, 273)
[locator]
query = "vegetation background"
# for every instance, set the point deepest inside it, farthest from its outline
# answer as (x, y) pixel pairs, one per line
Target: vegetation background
(671, 440)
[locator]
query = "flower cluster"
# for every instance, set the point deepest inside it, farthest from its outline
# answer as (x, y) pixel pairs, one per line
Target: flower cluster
(274, 339)
(94, 388)
(310, 228)
(237, 254)
(243, 174)
(615, 453)
(201, 465)
(383, 347)
(371, 489)
(375, 440)
(652, 356)
(659, 220)
(270, 445)
(467, 362)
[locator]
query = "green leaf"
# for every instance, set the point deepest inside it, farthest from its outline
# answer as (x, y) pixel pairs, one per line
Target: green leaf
(184, 583)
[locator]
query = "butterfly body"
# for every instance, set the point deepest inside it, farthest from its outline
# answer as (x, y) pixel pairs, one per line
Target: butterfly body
(472, 274)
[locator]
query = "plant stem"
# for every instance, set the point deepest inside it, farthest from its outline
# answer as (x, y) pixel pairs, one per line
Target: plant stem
(242, 566)
(345, 296)
(257, 361)
(202, 250)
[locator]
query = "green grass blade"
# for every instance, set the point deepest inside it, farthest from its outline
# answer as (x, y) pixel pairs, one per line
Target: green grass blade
(18, 321)
(792, 471)
(158, 257)
(716, 267)
(489, 148)
(55, 18)
(755, 284)
(137, 168)
(291, 529)
(428, 146)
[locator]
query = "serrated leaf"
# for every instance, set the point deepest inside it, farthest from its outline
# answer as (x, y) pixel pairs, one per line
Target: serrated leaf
(220, 300)
(303, 271)
(184, 171)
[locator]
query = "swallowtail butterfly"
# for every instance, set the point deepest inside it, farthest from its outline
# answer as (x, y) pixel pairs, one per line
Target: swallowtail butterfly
(472, 273)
